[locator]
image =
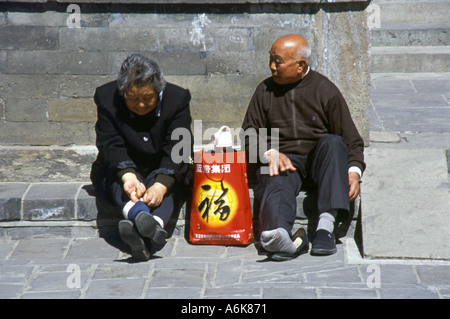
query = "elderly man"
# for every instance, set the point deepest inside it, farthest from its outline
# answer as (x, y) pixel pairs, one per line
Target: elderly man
(318, 144)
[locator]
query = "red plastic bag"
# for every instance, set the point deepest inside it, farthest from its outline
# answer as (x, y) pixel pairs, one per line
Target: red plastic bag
(220, 211)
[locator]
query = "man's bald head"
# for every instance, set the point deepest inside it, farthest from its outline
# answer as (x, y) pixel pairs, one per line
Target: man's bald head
(289, 59)
(295, 44)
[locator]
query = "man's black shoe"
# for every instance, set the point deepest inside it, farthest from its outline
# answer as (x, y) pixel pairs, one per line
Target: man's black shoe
(324, 243)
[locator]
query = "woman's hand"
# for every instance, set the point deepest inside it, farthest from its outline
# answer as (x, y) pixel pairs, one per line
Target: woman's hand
(133, 187)
(155, 194)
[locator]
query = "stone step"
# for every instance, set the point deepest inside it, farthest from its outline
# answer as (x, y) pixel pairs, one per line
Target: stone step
(408, 59)
(56, 209)
(412, 11)
(46, 209)
(411, 35)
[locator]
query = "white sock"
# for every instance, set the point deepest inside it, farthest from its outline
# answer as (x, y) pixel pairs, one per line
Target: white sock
(277, 240)
(127, 208)
(326, 221)
(159, 220)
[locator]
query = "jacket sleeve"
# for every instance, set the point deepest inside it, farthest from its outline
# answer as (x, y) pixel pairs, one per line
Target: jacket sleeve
(110, 142)
(341, 123)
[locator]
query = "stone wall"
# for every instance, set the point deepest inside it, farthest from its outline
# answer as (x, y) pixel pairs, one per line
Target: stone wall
(52, 56)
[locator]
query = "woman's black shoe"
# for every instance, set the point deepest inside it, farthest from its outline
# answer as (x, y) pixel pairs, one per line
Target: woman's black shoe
(131, 237)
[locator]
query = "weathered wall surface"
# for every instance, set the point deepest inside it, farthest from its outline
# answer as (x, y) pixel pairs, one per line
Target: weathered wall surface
(52, 57)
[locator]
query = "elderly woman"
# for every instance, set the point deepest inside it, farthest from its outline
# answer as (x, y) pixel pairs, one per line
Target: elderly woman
(134, 168)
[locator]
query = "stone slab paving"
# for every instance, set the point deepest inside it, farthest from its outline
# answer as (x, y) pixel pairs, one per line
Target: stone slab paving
(87, 268)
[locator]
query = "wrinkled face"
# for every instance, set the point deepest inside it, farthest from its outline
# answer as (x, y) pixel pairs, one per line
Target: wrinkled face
(284, 67)
(141, 99)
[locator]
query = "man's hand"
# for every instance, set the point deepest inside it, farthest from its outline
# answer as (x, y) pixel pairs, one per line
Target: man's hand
(278, 162)
(155, 194)
(354, 188)
(133, 187)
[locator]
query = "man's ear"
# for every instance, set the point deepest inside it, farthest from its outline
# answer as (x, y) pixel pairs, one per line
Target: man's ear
(302, 66)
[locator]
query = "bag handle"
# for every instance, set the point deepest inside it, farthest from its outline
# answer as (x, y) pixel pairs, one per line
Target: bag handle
(223, 137)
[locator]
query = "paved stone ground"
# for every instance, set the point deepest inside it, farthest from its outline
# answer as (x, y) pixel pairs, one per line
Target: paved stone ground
(410, 102)
(94, 268)
(406, 184)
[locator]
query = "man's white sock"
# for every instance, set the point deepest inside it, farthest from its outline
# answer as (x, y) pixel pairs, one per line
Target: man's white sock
(326, 221)
(277, 240)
